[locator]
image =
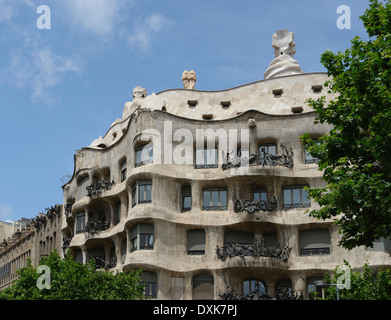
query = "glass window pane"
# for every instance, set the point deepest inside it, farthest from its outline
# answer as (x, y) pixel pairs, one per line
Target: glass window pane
(138, 156)
(215, 198)
(206, 198)
(306, 198)
(199, 156)
(223, 198)
(287, 196)
(246, 287)
(210, 156)
(272, 150)
(141, 193)
(296, 195)
(186, 202)
(149, 192)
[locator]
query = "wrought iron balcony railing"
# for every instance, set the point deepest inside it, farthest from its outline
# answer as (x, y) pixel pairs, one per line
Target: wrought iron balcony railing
(234, 249)
(315, 251)
(96, 188)
(96, 226)
(263, 159)
(288, 206)
(252, 206)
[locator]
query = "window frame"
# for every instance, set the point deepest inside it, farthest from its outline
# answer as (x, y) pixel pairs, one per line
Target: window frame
(141, 239)
(79, 223)
(136, 192)
(292, 196)
(219, 206)
(205, 157)
(267, 146)
(186, 194)
(139, 160)
(252, 286)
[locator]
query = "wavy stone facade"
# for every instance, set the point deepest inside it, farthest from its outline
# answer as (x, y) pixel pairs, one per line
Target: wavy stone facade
(141, 198)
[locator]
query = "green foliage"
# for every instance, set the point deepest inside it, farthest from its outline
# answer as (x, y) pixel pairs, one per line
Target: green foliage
(365, 285)
(355, 154)
(71, 280)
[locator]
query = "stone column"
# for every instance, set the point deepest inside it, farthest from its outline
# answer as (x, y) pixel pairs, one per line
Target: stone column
(271, 288)
(298, 284)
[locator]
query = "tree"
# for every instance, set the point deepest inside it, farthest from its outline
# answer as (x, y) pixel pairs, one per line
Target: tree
(364, 285)
(70, 280)
(355, 155)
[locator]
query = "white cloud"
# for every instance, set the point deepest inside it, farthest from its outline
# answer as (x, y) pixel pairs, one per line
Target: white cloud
(145, 31)
(39, 69)
(95, 16)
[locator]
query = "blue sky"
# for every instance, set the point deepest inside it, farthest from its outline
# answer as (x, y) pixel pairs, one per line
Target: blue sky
(62, 88)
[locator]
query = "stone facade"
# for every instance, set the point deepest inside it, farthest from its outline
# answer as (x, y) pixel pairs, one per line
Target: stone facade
(237, 218)
(38, 238)
(205, 192)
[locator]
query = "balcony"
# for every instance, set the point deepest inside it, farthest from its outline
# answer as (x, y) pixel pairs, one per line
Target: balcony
(96, 188)
(315, 251)
(93, 227)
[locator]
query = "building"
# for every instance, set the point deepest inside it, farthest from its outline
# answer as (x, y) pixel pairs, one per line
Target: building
(33, 239)
(8, 228)
(204, 190)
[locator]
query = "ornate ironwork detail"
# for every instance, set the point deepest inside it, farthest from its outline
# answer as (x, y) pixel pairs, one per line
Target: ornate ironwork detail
(234, 249)
(96, 188)
(281, 294)
(66, 242)
(287, 294)
(50, 212)
(263, 159)
(101, 263)
(96, 226)
(38, 220)
(232, 294)
(68, 206)
(252, 206)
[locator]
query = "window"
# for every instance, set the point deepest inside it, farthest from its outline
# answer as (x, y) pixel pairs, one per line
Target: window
(149, 279)
(298, 109)
(215, 199)
(317, 88)
(123, 170)
(192, 103)
(206, 158)
(296, 197)
(315, 242)
(308, 158)
(225, 104)
(207, 116)
(277, 93)
(144, 155)
(141, 237)
(142, 192)
(196, 242)
(80, 222)
(260, 195)
(284, 289)
(254, 287)
(82, 185)
(186, 198)
(268, 148)
(117, 212)
(312, 289)
(203, 287)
